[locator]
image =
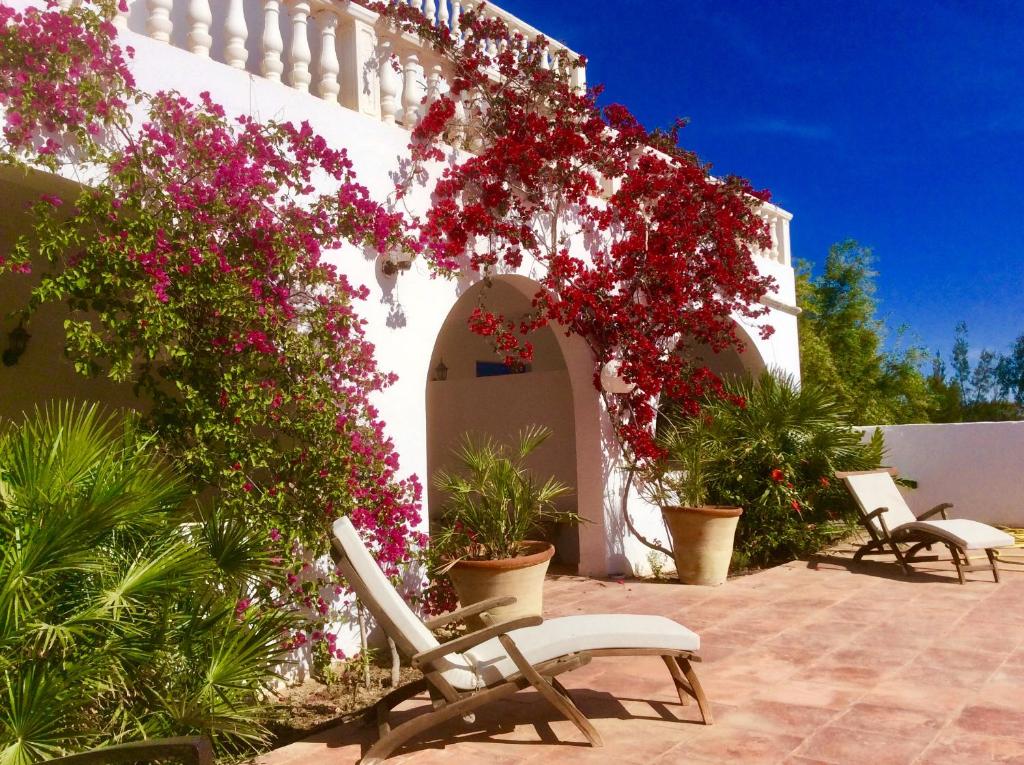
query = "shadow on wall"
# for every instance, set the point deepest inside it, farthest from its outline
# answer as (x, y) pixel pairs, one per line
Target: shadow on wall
(42, 373)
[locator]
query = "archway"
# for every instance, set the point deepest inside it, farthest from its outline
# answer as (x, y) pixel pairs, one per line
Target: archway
(479, 395)
(731, 362)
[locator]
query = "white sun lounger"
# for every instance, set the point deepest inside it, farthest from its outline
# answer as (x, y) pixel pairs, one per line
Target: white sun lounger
(891, 524)
(501, 659)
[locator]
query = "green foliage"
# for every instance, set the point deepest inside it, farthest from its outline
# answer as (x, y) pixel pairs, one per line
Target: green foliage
(842, 343)
(495, 504)
(119, 617)
(775, 455)
(993, 390)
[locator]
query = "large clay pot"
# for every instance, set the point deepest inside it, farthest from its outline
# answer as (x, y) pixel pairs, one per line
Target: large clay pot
(702, 540)
(521, 577)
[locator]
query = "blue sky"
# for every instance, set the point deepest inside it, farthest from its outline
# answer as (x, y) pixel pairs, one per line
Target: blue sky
(900, 125)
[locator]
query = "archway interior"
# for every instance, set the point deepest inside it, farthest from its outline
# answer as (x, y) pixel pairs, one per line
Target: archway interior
(479, 396)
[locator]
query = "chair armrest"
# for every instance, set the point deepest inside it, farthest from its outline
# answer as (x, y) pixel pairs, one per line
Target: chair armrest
(876, 513)
(466, 642)
(941, 509)
(472, 609)
(191, 750)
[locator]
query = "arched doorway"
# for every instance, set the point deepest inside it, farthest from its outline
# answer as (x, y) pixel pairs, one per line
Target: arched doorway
(479, 395)
(731, 362)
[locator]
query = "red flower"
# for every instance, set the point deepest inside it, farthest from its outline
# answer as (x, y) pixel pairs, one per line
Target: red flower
(825, 483)
(777, 475)
(795, 505)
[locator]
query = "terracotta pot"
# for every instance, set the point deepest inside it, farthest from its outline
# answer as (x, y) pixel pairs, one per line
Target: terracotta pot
(702, 540)
(521, 577)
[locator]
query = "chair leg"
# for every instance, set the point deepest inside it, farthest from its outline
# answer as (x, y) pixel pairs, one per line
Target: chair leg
(955, 552)
(677, 679)
(381, 711)
(994, 561)
(698, 691)
(398, 735)
(562, 703)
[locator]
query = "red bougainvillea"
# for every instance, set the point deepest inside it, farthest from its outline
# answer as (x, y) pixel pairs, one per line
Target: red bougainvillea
(643, 251)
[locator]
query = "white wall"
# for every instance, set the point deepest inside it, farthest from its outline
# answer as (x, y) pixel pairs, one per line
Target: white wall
(978, 466)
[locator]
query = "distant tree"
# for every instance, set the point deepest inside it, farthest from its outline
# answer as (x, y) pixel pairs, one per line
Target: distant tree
(992, 391)
(1010, 373)
(842, 342)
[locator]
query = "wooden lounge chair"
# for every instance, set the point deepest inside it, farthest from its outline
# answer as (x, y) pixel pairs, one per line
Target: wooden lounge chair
(501, 659)
(892, 525)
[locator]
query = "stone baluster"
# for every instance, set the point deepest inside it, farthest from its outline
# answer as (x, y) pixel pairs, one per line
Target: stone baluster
(327, 86)
(199, 21)
(545, 62)
(300, 55)
(64, 4)
(390, 83)
(158, 25)
(235, 34)
(456, 17)
(442, 14)
(579, 78)
(492, 44)
(458, 132)
(120, 19)
(271, 43)
(412, 90)
(435, 83)
(430, 11)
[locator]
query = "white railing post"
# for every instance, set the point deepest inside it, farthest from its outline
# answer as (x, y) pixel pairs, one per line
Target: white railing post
(199, 20)
(442, 14)
(300, 56)
(390, 83)
(412, 90)
(359, 64)
(120, 20)
(271, 43)
(235, 35)
(327, 86)
(158, 25)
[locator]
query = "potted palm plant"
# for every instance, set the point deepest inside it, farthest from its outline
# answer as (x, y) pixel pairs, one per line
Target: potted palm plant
(495, 508)
(702, 533)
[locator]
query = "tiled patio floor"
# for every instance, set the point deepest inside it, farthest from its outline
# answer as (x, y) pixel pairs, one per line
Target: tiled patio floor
(806, 663)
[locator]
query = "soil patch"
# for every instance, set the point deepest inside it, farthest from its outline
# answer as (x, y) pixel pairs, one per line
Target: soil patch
(311, 707)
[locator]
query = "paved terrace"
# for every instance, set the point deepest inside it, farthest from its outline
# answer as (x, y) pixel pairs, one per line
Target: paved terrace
(821, 662)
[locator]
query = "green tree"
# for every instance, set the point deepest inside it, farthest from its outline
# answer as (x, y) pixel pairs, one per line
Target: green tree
(842, 342)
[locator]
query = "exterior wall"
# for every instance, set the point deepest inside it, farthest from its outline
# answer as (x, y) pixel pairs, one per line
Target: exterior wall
(406, 314)
(978, 466)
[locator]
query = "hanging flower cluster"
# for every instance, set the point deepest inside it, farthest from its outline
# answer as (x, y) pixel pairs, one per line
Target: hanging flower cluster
(63, 81)
(642, 249)
(194, 270)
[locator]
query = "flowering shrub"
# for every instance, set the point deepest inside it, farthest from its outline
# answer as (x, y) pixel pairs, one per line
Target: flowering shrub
(194, 270)
(667, 254)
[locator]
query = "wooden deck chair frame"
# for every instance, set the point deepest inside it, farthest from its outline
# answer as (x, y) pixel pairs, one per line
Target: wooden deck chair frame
(449, 702)
(883, 541)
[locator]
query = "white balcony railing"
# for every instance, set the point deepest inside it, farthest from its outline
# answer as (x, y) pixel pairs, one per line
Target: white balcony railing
(336, 49)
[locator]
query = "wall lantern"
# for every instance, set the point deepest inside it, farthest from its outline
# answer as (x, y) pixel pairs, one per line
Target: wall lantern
(441, 371)
(611, 378)
(17, 342)
(395, 261)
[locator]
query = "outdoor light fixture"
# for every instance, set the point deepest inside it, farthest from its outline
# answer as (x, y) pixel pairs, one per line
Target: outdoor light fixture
(17, 341)
(441, 371)
(395, 261)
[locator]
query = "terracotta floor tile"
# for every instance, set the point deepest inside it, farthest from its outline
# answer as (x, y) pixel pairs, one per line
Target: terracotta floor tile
(845, 746)
(905, 723)
(959, 748)
(992, 721)
(739, 747)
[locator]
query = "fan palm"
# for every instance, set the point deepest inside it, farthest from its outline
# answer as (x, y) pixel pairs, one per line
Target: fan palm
(117, 614)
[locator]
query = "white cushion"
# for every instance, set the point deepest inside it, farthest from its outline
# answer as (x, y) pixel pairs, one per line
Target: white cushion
(966, 534)
(875, 490)
(571, 634)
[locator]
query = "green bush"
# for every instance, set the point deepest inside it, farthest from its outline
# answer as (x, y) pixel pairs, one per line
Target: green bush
(771, 447)
(121, 617)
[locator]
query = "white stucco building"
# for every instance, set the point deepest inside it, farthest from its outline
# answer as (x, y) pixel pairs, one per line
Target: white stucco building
(322, 61)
